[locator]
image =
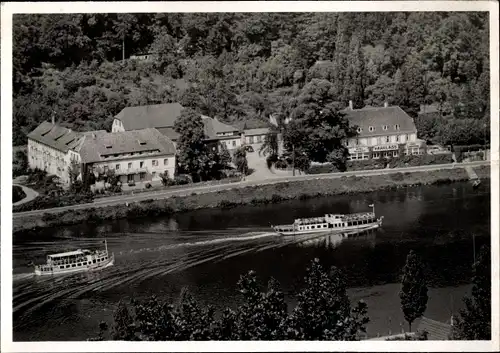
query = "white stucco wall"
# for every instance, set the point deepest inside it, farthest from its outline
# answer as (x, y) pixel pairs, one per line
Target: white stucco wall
(117, 126)
(151, 165)
(46, 158)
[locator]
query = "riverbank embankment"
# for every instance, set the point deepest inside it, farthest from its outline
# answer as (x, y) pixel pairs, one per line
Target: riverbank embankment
(250, 195)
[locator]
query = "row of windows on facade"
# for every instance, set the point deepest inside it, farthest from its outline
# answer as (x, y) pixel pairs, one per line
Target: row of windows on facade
(79, 264)
(384, 154)
(228, 143)
(338, 225)
(154, 163)
(255, 139)
(384, 127)
(378, 140)
(130, 154)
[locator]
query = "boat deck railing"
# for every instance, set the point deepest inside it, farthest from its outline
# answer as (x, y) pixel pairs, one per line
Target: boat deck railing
(358, 216)
(310, 220)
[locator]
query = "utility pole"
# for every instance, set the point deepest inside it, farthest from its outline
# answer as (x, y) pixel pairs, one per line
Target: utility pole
(293, 159)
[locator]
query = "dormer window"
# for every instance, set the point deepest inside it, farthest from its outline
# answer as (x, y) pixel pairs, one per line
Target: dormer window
(359, 130)
(109, 146)
(371, 129)
(396, 127)
(142, 143)
(385, 127)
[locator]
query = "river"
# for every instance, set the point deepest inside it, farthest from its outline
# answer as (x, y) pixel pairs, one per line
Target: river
(207, 250)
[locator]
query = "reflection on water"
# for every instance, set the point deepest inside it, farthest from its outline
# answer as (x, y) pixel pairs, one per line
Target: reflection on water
(332, 241)
(208, 250)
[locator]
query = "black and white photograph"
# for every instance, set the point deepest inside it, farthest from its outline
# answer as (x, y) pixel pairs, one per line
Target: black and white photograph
(253, 171)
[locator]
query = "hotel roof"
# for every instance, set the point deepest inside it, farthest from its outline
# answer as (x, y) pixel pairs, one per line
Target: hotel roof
(393, 118)
(100, 146)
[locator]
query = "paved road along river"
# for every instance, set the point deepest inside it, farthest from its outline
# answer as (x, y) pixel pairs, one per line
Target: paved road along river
(207, 250)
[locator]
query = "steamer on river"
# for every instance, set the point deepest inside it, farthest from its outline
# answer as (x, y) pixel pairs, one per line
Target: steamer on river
(76, 261)
(331, 223)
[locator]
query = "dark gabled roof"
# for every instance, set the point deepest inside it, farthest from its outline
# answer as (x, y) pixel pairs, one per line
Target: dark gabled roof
(379, 117)
(213, 126)
(95, 147)
(56, 136)
(169, 132)
(163, 116)
(436, 331)
(150, 116)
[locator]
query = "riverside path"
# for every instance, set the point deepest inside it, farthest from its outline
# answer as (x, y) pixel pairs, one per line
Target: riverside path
(156, 195)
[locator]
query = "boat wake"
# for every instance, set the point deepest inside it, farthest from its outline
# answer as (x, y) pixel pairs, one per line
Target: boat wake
(244, 237)
(132, 268)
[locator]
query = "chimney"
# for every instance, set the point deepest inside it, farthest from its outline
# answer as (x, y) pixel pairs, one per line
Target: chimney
(350, 105)
(386, 104)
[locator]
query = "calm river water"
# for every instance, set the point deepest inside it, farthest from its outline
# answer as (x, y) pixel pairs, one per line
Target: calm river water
(208, 250)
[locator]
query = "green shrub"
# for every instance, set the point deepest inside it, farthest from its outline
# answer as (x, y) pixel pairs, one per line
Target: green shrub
(270, 160)
(17, 193)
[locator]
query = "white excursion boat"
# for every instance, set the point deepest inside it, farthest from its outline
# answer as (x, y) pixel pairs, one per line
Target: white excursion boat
(76, 261)
(331, 223)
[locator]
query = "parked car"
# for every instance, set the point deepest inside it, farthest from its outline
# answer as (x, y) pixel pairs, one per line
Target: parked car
(249, 148)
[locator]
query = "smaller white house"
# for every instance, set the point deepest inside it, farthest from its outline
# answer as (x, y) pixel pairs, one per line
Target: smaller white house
(255, 136)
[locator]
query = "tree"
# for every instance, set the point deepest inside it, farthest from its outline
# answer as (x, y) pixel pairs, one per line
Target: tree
(323, 310)
(270, 145)
(474, 322)
(356, 73)
(409, 86)
(123, 329)
(240, 160)
(262, 315)
(192, 152)
(317, 129)
(413, 293)
(165, 178)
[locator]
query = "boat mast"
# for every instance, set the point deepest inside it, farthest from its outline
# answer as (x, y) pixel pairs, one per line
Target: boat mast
(106, 245)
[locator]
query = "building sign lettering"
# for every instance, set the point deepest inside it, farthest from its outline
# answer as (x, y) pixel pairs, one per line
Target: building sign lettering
(358, 150)
(385, 148)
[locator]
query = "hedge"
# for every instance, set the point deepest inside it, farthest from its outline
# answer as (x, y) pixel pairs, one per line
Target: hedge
(398, 162)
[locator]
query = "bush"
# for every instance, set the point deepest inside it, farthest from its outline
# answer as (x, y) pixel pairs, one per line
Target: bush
(321, 169)
(418, 160)
(148, 185)
(17, 193)
(366, 164)
(270, 160)
(182, 180)
(45, 201)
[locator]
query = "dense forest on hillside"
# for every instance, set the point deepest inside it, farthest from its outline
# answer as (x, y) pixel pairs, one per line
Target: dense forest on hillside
(241, 67)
